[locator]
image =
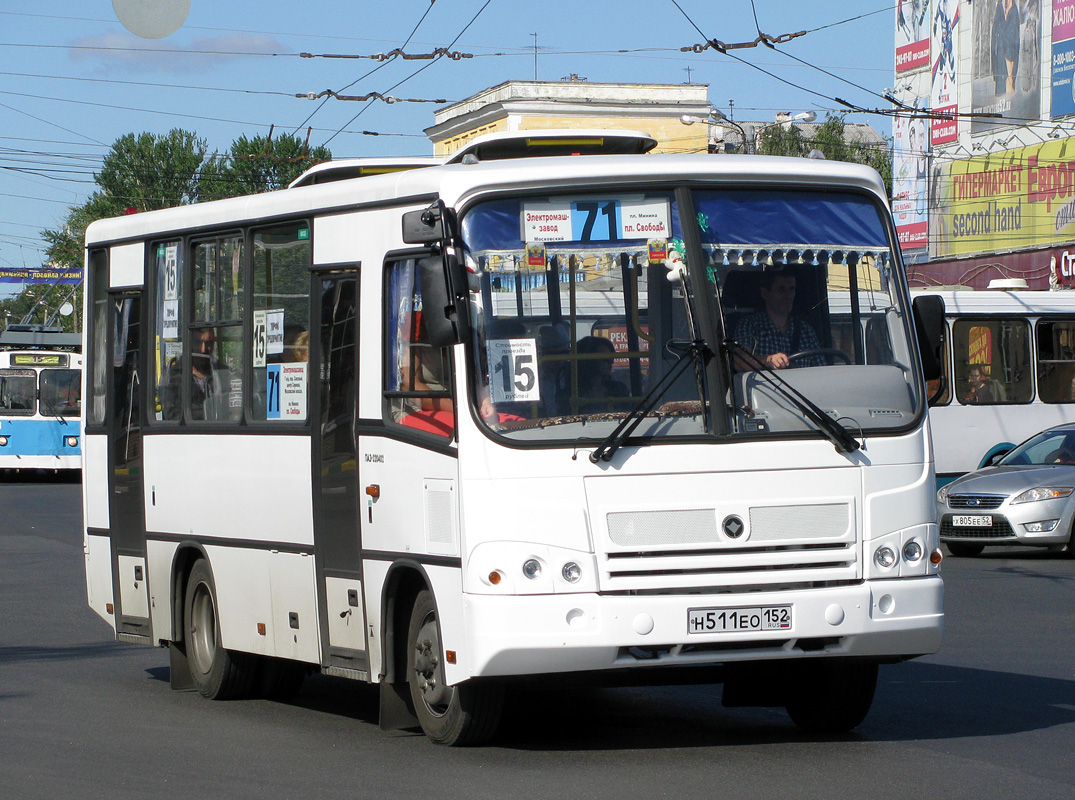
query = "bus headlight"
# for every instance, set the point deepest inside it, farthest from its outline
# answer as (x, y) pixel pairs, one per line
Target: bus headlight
(532, 568)
(912, 551)
(571, 572)
(885, 557)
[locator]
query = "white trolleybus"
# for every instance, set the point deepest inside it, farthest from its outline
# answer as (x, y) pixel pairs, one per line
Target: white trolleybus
(40, 391)
(1008, 373)
(459, 426)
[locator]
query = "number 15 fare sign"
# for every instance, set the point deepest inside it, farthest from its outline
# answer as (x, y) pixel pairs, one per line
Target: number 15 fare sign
(596, 220)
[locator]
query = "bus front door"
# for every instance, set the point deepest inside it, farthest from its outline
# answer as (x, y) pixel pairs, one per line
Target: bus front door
(336, 511)
(126, 511)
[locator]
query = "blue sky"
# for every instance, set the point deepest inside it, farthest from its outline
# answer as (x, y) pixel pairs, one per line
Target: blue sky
(73, 79)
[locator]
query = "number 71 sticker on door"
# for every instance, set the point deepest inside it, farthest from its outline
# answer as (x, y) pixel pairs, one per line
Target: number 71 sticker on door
(285, 391)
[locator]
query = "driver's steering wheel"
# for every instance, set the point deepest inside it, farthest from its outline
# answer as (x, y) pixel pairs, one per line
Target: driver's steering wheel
(831, 352)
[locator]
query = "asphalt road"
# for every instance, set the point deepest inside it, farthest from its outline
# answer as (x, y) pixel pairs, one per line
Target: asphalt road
(81, 716)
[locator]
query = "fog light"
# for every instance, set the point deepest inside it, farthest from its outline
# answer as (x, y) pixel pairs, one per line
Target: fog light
(3, 441)
(531, 568)
(72, 441)
(1043, 526)
(912, 551)
(885, 556)
(571, 572)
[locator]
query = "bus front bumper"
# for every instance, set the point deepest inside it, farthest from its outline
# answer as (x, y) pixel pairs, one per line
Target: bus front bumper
(539, 634)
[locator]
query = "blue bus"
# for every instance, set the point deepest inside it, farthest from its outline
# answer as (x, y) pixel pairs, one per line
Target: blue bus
(40, 399)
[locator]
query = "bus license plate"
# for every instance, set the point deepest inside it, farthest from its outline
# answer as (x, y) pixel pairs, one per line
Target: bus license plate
(983, 521)
(738, 620)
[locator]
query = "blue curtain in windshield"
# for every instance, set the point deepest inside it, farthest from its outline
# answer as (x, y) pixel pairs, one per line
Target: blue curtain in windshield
(787, 217)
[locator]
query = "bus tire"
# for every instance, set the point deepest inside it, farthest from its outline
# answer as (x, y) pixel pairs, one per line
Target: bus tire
(218, 674)
(831, 696)
(466, 714)
(965, 549)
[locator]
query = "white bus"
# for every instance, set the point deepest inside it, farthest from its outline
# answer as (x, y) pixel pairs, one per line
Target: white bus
(445, 429)
(40, 393)
(1009, 372)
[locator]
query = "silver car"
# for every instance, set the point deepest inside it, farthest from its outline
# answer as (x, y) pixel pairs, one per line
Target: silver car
(1025, 498)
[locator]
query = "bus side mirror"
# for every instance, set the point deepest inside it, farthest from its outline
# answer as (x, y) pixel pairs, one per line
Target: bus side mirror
(929, 330)
(443, 282)
(423, 227)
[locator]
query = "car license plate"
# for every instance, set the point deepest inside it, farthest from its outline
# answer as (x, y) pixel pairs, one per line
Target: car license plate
(738, 620)
(965, 521)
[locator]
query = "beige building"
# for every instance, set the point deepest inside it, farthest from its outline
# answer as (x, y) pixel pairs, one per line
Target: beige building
(652, 108)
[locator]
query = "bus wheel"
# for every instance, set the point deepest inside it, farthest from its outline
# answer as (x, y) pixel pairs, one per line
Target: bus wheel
(965, 548)
(217, 673)
(831, 697)
(465, 714)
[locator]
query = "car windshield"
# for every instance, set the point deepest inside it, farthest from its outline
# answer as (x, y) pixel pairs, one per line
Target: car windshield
(579, 311)
(1048, 447)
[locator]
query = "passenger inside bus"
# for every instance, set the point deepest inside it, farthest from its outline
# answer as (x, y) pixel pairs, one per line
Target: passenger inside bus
(773, 334)
(210, 382)
(980, 389)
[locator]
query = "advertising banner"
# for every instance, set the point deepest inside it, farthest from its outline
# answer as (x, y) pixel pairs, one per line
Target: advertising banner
(912, 35)
(1007, 62)
(944, 50)
(1063, 64)
(1009, 200)
(68, 277)
(910, 166)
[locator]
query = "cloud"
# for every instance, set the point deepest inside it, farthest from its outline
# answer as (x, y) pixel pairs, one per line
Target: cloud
(117, 51)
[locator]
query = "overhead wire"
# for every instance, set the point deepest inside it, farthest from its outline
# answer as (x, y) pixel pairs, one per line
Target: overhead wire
(416, 72)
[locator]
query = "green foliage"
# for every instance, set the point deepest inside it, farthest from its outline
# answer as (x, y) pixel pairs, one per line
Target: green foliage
(829, 138)
(148, 171)
(258, 165)
(43, 300)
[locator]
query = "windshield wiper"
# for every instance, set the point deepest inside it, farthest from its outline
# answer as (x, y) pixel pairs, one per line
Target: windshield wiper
(694, 352)
(50, 409)
(833, 430)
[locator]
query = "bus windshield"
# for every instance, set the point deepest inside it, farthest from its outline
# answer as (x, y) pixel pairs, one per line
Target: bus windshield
(61, 392)
(580, 311)
(18, 391)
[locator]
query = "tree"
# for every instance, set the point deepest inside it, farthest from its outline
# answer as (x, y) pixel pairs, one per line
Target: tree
(148, 171)
(830, 139)
(151, 171)
(261, 164)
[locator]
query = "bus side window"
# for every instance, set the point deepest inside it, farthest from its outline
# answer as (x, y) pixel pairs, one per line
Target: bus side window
(1056, 361)
(992, 358)
(418, 381)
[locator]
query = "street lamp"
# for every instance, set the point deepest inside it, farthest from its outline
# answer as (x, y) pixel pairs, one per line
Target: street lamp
(749, 142)
(717, 118)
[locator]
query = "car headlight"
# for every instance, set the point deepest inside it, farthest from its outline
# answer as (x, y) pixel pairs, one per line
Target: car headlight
(1042, 493)
(942, 494)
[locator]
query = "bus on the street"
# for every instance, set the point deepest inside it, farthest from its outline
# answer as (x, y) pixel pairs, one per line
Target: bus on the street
(447, 429)
(1008, 373)
(40, 399)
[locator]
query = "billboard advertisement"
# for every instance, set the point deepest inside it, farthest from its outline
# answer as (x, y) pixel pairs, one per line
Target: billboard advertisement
(1008, 200)
(1063, 63)
(912, 35)
(944, 52)
(1007, 63)
(910, 170)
